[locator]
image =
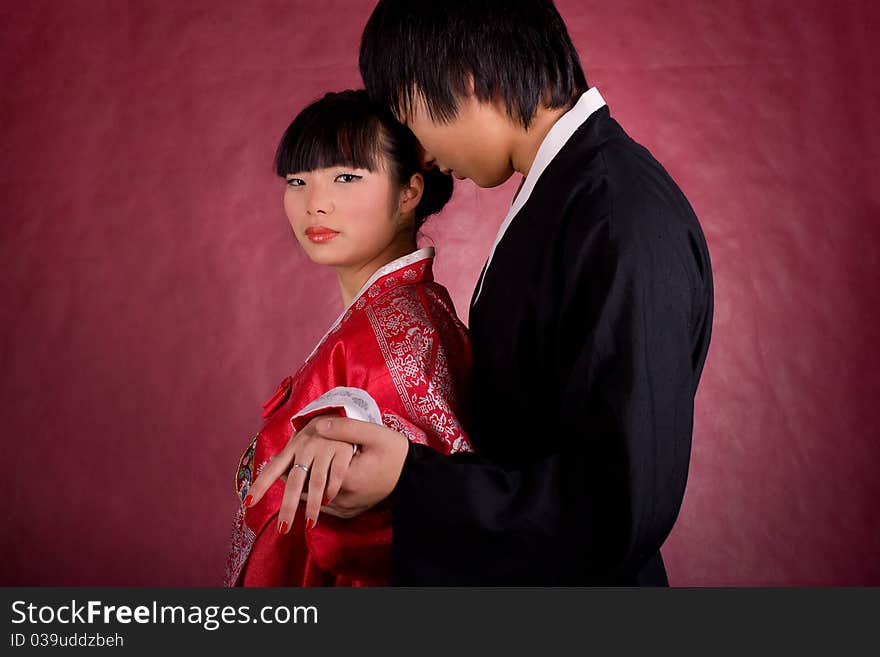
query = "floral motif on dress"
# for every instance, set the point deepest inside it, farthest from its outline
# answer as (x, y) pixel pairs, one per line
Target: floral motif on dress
(244, 475)
(243, 537)
(240, 545)
(412, 433)
(418, 365)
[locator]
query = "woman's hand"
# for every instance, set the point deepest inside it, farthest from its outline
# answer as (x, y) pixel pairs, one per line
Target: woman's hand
(325, 464)
(351, 486)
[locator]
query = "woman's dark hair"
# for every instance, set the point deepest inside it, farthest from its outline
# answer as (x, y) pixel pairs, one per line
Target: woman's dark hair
(347, 129)
(516, 50)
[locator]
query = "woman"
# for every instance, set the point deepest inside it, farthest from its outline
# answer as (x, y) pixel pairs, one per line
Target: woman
(398, 355)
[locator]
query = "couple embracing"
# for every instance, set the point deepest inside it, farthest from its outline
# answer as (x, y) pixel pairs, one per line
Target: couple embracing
(550, 443)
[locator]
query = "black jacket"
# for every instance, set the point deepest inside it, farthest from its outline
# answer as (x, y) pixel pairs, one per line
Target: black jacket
(589, 339)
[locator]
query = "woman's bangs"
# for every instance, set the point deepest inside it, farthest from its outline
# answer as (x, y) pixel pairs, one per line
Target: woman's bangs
(328, 141)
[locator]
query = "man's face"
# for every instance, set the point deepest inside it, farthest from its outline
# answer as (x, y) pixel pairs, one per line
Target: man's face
(477, 144)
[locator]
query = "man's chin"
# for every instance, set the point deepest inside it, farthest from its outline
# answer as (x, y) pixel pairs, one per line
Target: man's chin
(494, 181)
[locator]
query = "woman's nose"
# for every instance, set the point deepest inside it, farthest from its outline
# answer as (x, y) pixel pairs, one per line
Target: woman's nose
(319, 203)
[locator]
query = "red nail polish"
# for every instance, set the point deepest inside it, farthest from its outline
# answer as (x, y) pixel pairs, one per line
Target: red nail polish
(325, 501)
(283, 528)
(248, 499)
(310, 523)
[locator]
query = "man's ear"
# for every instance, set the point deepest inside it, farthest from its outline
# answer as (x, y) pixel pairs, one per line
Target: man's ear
(411, 193)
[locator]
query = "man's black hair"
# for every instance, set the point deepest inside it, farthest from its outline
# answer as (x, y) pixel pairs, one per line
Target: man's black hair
(516, 50)
(347, 129)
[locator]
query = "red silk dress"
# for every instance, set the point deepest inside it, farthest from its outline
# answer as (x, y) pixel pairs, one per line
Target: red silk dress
(399, 356)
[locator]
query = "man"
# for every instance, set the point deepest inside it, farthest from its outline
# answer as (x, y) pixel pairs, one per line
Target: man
(590, 322)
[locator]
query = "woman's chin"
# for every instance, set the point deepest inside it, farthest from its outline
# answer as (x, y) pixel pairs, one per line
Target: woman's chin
(322, 254)
(328, 257)
(324, 259)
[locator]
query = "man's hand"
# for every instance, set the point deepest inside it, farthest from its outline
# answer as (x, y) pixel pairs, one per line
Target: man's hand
(337, 483)
(375, 469)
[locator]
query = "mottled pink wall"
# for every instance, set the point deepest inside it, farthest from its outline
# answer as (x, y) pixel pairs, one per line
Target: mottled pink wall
(153, 295)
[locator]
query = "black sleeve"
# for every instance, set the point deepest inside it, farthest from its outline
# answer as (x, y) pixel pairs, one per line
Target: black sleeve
(634, 312)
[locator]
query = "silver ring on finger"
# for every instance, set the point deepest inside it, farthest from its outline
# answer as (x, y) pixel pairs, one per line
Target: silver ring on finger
(302, 467)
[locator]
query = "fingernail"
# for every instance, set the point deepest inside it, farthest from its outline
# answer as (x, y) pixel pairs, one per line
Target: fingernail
(310, 523)
(248, 499)
(325, 501)
(282, 529)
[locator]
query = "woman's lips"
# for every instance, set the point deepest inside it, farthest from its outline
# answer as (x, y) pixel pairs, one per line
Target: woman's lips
(320, 233)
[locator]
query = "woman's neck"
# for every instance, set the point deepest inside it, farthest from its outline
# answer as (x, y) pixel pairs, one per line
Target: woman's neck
(352, 279)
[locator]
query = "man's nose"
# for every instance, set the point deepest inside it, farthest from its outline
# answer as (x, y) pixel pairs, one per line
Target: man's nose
(426, 159)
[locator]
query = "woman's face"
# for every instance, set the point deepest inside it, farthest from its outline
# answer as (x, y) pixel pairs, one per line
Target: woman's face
(347, 217)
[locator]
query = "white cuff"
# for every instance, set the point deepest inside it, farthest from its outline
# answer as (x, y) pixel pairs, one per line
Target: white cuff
(354, 403)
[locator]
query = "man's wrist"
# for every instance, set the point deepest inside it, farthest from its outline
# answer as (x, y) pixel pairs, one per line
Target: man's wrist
(406, 458)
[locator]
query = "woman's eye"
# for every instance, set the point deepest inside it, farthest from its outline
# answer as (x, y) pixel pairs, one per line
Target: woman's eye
(295, 182)
(347, 177)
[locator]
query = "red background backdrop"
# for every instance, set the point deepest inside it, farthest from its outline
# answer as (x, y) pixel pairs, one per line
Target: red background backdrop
(153, 295)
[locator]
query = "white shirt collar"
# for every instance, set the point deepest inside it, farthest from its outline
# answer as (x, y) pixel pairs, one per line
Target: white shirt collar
(558, 136)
